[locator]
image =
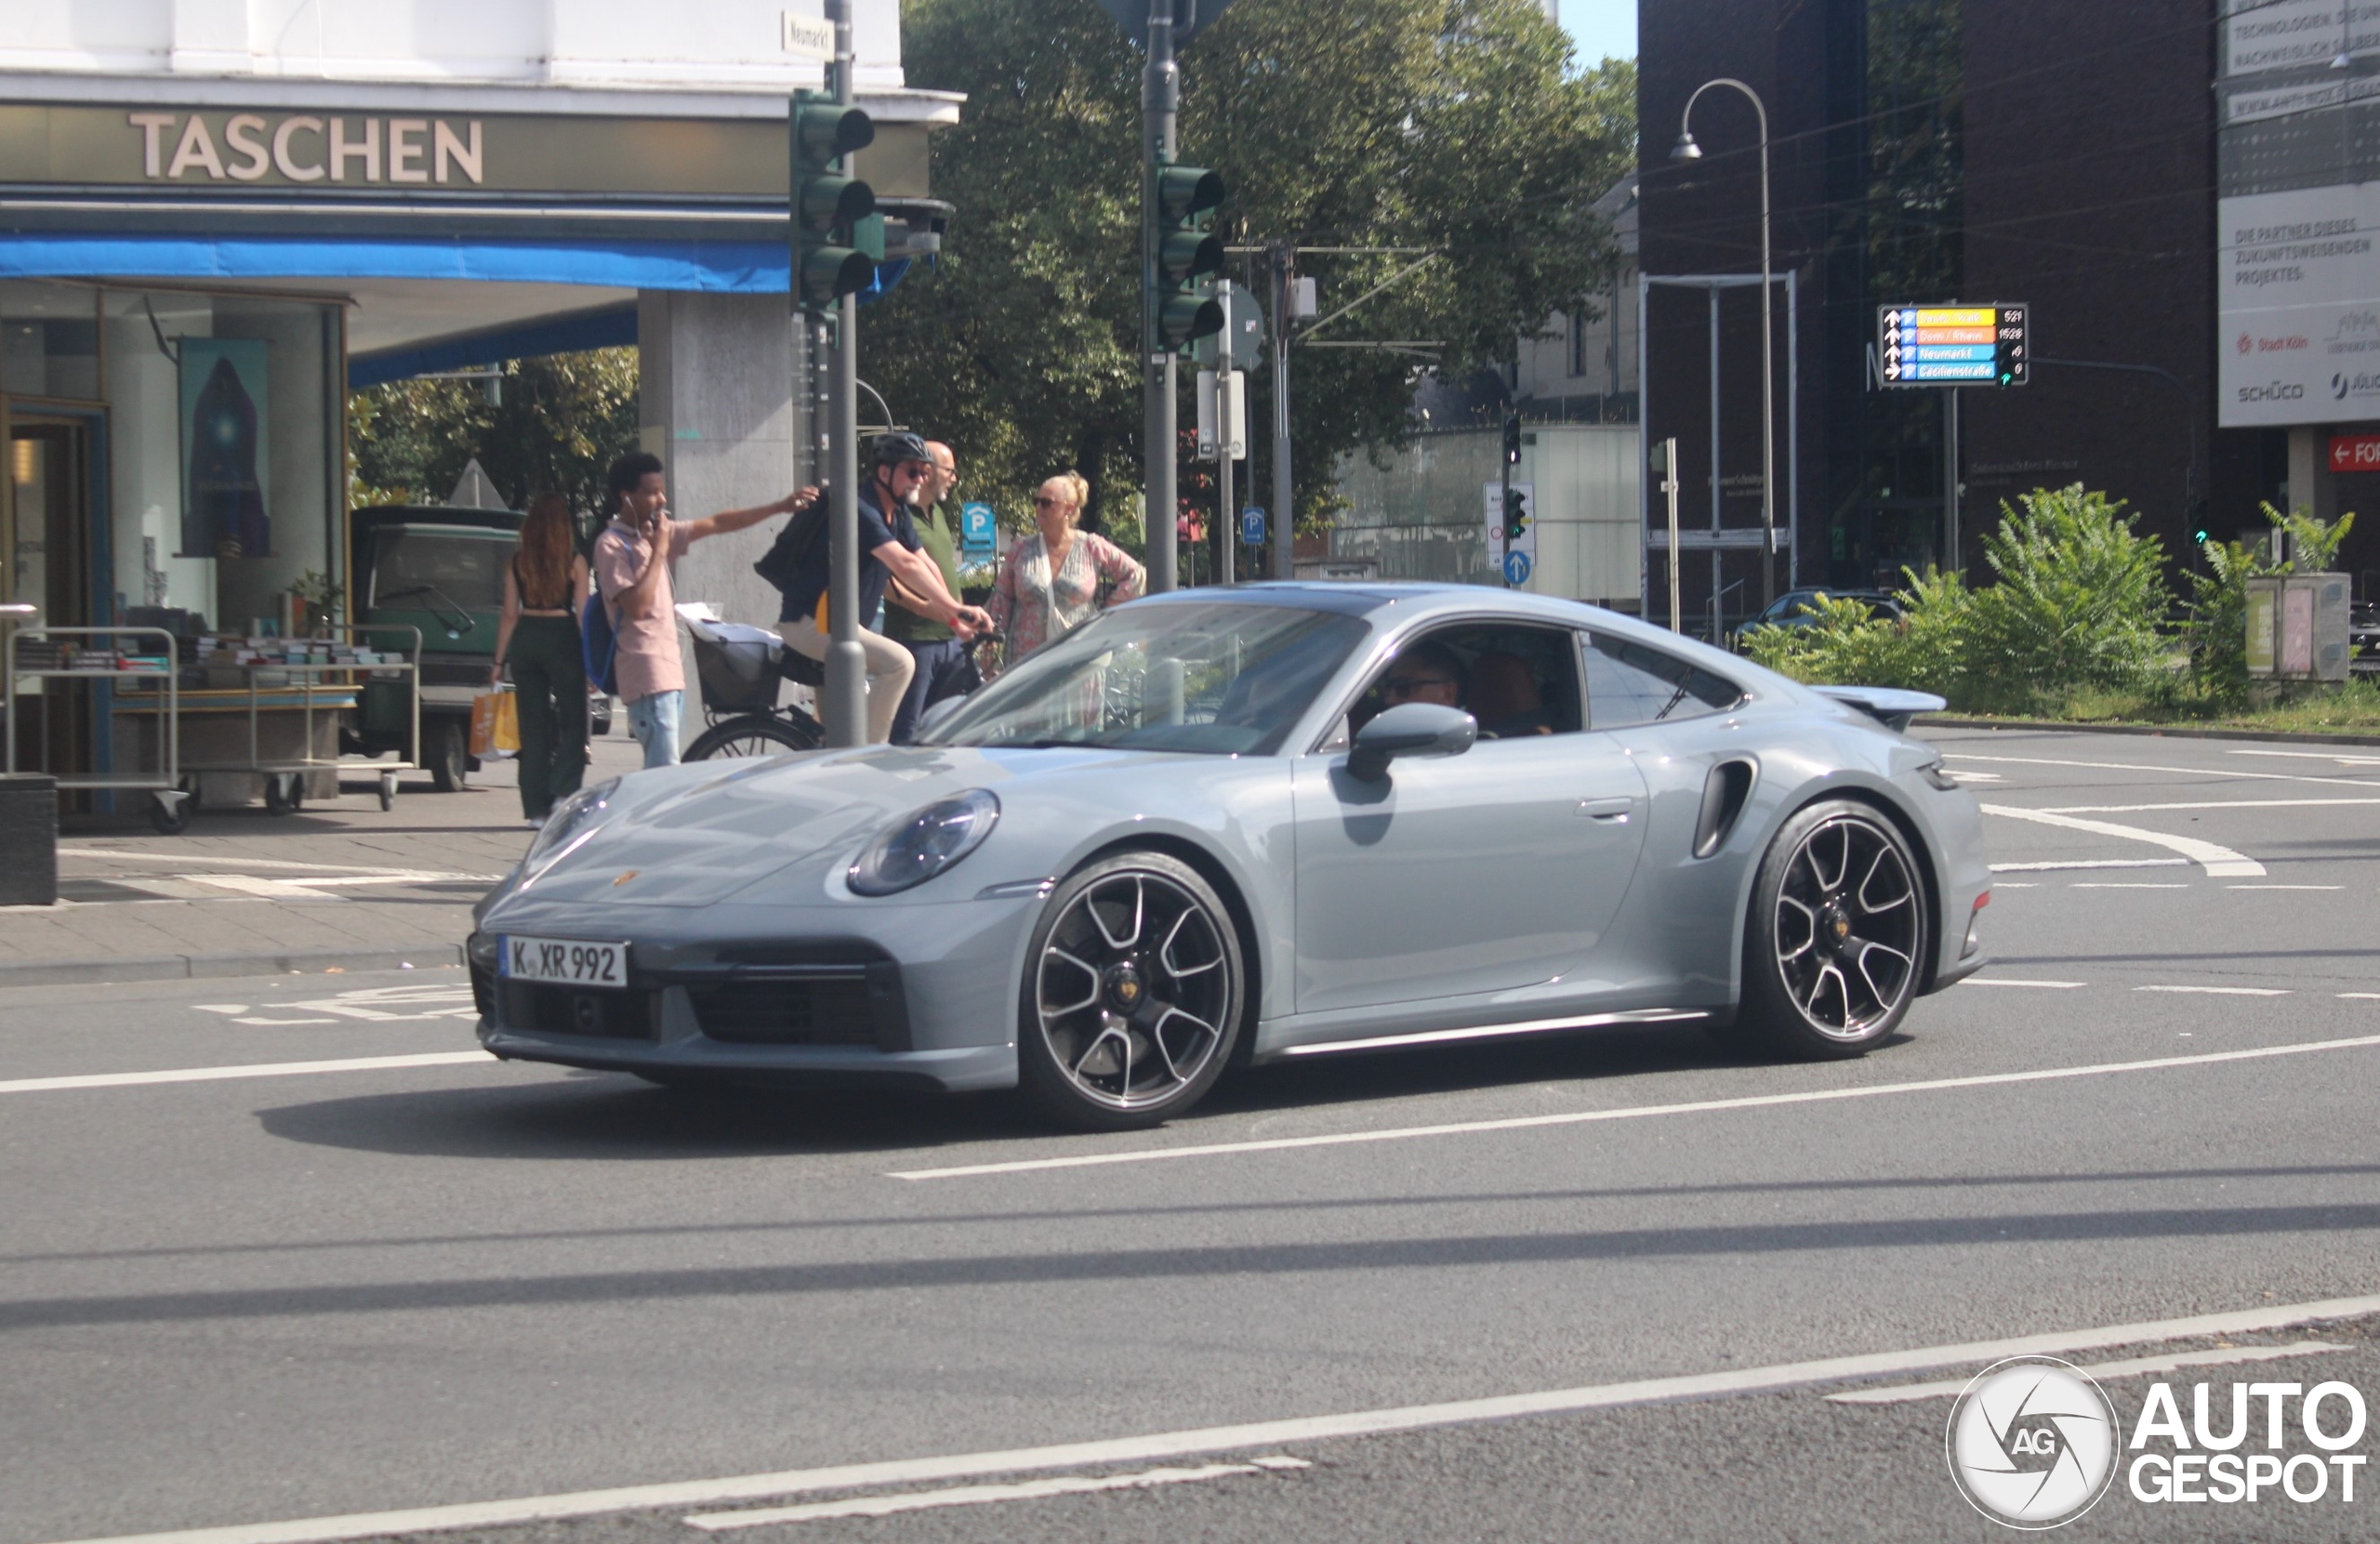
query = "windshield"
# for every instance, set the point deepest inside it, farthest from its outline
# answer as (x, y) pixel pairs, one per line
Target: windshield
(1217, 678)
(426, 571)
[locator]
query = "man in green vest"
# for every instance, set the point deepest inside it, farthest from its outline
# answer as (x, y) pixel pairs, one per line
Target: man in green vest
(944, 667)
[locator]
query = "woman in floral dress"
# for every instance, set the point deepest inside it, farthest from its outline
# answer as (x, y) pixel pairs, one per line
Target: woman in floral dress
(1052, 581)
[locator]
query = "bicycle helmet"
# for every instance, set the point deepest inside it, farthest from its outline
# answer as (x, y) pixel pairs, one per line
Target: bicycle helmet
(900, 446)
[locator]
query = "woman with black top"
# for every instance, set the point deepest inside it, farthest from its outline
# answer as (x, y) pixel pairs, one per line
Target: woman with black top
(544, 585)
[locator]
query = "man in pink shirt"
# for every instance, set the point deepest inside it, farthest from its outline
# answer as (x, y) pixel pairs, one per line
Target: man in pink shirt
(632, 561)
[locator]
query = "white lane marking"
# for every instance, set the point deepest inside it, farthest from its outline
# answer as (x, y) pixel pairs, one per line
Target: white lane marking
(2363, 996)
(2006, 884)
(2090, 863)
(2223, 991)
(1200, 1441)
(2315, 755)
(230, 859)
(2201, 804)
(219, 1006)
(975, 1495)
(280, 1023)
(258, 1069)
(2284, 887)
(2010, 980)
(2219, 862)
(2106, 884)
(1629, 1112)
(2187, 772)
(2130, 1367)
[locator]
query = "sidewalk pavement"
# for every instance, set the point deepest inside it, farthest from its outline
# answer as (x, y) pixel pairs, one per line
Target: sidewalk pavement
(338, 886)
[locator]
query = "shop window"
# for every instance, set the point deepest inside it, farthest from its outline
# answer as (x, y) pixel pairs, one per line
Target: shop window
(49, 340)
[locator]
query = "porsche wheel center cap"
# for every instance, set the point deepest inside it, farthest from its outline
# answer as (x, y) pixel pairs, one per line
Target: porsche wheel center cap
(1837, 923)
(1124, 987)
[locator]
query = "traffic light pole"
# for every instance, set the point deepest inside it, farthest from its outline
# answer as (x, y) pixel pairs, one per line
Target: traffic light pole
(845, 700)
(1160, 103)
(1284, 489)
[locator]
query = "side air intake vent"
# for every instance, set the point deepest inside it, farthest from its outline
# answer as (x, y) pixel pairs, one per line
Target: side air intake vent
(1724, 793)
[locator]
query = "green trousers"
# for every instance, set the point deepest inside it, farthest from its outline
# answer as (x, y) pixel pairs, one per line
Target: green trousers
(550, 681)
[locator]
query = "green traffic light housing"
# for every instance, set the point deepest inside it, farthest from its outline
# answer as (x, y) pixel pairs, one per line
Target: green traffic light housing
(1182, 305)
(834, 213)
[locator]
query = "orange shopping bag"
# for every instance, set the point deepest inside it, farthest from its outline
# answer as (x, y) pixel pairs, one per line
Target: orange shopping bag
(496, 723)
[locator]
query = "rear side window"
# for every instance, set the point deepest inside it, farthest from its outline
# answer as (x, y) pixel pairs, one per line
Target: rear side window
(1628, 683)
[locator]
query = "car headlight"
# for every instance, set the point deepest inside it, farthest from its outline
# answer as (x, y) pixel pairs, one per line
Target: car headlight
(572, 818)
(924, 842)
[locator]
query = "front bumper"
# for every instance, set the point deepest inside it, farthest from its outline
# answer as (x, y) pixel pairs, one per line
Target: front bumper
(922, 995)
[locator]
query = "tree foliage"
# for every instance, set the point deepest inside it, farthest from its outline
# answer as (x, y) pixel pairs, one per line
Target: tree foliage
(1452, 125)
(562, 420)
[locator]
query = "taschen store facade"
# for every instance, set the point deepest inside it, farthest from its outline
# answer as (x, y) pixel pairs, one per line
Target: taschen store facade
(218, 216)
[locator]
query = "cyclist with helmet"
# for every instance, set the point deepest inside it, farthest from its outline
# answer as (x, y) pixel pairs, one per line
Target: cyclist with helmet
(889, 548)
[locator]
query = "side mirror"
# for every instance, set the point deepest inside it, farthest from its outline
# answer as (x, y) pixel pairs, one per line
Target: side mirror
(1411, 729)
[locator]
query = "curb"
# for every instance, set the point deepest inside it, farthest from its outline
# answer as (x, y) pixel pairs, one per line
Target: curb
(2170, 732)
(126, 968)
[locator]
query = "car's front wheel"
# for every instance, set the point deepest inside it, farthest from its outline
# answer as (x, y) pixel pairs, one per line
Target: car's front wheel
(1133, 989)
(1837, 935)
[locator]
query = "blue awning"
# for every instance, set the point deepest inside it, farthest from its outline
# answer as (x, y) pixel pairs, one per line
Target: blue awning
(565, 335)
(739, 267)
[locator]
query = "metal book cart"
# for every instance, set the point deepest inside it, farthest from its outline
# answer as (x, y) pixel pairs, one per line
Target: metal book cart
(310, 687)
(78, 653)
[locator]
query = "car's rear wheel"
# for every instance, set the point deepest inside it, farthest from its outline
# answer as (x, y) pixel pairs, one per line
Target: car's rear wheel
(1133, 988)
(1836, 936)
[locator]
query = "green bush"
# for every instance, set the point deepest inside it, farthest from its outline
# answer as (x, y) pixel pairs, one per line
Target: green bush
(2079, 601)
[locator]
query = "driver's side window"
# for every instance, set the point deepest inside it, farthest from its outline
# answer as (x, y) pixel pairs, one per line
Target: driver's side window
(1518, 681)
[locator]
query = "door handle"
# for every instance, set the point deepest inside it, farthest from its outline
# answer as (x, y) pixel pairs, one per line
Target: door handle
(1615, 811)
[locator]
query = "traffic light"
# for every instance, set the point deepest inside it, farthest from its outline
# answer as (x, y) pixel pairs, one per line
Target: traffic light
(834, 215)
(1188, 256)
(1513, 439)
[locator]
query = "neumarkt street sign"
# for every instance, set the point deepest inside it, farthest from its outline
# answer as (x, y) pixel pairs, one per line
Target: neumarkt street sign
(1953, 346)
(1188, 17)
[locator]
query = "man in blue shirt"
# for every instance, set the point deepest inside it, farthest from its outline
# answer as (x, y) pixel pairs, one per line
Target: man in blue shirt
(888, 548)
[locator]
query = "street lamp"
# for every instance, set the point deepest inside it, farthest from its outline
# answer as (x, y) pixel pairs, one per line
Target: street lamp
(1686, 150)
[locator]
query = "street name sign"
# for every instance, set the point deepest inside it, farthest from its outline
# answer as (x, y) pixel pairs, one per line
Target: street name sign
(1952, 345)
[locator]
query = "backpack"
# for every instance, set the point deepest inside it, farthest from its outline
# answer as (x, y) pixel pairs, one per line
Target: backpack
(781, 564)
(599, 645)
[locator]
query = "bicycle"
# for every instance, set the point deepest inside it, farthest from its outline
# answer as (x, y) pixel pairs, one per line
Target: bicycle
(738, 669)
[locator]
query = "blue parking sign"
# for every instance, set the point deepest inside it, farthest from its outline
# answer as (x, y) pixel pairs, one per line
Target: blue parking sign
(976, 527)
(1252, 526)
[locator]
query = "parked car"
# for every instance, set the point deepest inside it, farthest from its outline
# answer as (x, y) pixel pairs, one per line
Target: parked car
(1286, 821)
(1792, 610)
(2364, 638)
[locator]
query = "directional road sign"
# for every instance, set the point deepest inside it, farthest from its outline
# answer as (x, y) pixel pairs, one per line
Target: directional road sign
(1252, 526)
(1952, 345)
(975, 528)
(1517, 567)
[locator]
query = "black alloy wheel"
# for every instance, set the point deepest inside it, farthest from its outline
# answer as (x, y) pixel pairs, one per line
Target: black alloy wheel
(1133, 992)
(1836, 943)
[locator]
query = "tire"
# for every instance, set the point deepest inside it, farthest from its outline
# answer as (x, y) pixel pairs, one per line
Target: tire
(447, 751)
(756, 734)
(1836, 941)
(1133, 990)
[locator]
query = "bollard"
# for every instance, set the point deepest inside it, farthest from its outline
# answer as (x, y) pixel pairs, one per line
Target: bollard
(28, 840)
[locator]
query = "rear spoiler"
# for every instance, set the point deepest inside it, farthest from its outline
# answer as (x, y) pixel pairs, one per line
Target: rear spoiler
(1888, 706)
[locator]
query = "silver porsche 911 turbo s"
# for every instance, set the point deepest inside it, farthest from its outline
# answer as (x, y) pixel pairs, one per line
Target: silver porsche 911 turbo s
(1220, 827)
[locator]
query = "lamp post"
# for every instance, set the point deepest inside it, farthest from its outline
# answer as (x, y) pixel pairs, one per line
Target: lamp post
(1686, 150)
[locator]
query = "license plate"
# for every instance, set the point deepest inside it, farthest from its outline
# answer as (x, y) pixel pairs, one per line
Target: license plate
(565, 961)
